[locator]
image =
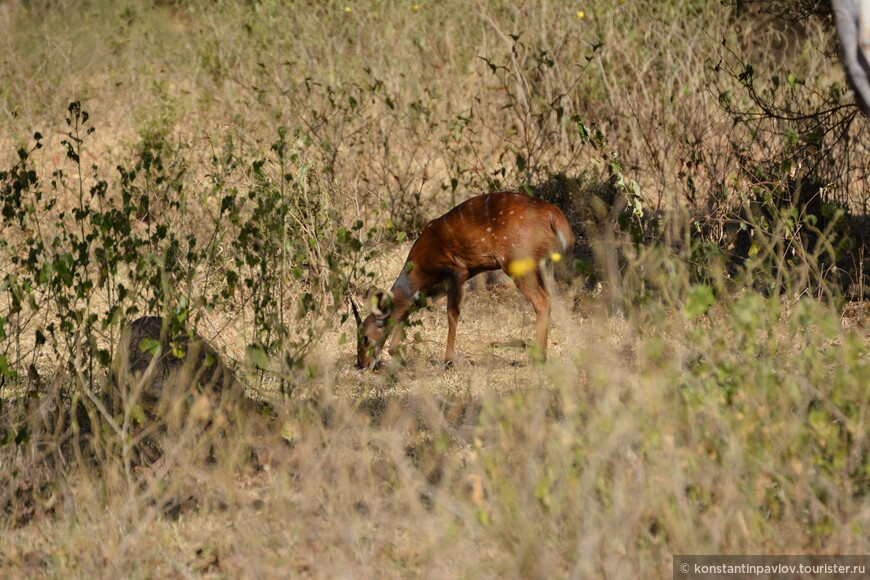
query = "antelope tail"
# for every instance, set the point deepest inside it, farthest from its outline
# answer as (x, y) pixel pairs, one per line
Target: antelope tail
(563, 232)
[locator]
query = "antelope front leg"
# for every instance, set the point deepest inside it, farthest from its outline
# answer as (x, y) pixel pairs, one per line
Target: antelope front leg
(532, 287)
(542, 332)
(395, 339)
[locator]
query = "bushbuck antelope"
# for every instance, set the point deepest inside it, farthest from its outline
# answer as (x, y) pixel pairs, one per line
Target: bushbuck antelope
(178, 380)
(159, 369)
(194, 357)
(506, 230)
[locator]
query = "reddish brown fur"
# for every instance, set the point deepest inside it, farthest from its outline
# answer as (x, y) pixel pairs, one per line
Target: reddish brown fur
(487, 232)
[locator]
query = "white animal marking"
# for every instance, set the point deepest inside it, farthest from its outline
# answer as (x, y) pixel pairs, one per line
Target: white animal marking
(489, 229)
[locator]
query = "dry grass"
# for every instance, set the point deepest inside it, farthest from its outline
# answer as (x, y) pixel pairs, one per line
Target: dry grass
(630, 445)
(654, 429)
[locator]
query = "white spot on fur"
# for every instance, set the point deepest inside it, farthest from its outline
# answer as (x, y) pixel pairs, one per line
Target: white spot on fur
(489, 229)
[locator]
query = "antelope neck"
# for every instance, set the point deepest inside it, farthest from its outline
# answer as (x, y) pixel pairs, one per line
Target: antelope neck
(403, 288)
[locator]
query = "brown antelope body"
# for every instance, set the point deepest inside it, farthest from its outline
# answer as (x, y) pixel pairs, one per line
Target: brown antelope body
(488, 232)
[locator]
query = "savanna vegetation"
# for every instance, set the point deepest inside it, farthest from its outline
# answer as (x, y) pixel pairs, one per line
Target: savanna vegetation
(242, 169)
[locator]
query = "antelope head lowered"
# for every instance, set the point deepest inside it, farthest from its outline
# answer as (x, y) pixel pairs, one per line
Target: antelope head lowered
(504, 230)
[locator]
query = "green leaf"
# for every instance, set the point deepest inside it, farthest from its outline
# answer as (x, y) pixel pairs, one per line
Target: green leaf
(137, 414)
(699, 300)
(4, 368)
(150, 345)
(104, 357)
(22, 436)
(753, 250)
(257, 355)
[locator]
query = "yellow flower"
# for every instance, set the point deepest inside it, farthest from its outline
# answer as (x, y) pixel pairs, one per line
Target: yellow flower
(521, 267)
(581, 14)
(347, 8)
(416, 7)
(556, 256)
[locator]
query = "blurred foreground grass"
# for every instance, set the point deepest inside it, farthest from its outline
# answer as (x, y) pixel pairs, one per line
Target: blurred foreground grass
(743, 431)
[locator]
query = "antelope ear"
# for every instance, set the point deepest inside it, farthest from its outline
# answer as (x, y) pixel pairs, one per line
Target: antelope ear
(381, 303)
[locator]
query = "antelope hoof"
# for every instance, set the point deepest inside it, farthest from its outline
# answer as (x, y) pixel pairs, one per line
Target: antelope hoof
(537, 354)
(374, 367)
